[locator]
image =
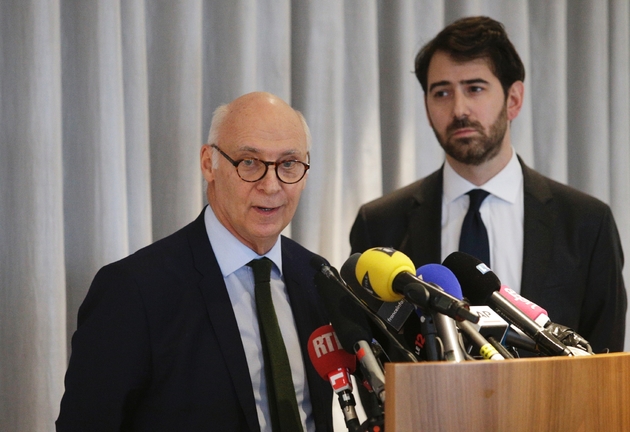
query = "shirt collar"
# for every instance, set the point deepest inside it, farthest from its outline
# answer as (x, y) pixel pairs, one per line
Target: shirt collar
(504, 185)
(232, 254)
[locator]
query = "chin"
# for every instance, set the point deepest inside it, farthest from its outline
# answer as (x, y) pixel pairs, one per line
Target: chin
(269, 231)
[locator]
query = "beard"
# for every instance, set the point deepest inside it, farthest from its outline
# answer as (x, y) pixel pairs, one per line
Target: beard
(474, 150)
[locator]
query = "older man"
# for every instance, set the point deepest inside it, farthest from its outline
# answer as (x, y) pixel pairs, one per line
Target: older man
(189, 334)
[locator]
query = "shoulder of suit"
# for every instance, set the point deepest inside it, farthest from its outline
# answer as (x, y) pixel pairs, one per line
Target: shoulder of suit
(294, 249)
(407, 196)
(168, 251)
(296, 262)
(546, 189)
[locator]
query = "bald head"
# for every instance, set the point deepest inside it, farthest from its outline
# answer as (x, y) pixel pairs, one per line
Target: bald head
(256, 126)
(254, 106)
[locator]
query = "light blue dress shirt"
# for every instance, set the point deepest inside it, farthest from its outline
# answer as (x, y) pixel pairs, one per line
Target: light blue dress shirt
(233, 256)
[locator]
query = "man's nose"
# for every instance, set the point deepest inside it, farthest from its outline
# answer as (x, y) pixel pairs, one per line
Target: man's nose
(270, 183)
(460, 105)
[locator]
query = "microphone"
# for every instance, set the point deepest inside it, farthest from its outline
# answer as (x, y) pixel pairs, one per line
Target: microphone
(488, 350)
(490, 324)
(446, 328)
(347, 311)
(515, 338)
(395, 314)
(493, 327)
(350, 323)
(446, 279)
(564, 334)
(529, 308)
(481, 286)
(419, 331)
(390, 276)
(335, 365)
(441, 276)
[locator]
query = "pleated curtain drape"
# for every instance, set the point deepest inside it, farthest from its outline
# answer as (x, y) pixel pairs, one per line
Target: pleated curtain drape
(104, 105)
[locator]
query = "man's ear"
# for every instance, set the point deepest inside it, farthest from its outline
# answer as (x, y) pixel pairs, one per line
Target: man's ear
(515, 96)
(205, 160)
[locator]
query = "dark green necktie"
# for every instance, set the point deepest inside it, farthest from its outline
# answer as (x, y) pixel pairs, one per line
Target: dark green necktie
(283, 407)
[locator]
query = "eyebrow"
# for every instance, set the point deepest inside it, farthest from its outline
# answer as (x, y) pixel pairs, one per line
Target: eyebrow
(465, 82)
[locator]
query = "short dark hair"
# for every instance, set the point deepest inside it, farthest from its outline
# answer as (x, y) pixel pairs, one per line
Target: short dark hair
(472, 38)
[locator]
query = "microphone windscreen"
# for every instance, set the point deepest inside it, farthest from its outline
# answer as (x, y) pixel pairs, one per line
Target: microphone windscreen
(378, 267)
(443, 277)
(326, 352)
(478, 282)
(348, 274)
(348, 270)
(345, 314)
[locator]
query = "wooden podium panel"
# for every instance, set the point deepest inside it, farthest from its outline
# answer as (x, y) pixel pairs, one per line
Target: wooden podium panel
(587, 393)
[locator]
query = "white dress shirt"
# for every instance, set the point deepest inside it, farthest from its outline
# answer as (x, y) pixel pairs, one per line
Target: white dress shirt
(502, 213)
(233, 256)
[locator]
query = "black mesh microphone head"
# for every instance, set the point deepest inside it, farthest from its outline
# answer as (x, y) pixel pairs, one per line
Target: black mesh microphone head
(478, 282)
(348, 269)
(348, 274)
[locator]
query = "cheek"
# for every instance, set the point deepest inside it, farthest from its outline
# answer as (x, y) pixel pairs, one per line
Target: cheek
(438, 118)
(233, 194)
(296, 192)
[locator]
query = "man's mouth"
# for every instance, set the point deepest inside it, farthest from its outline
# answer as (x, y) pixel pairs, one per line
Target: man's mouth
(266, 209)
(463, 131)
(463, 127)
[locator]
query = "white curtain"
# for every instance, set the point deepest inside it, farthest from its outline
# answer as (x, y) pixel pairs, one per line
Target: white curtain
(104, 105)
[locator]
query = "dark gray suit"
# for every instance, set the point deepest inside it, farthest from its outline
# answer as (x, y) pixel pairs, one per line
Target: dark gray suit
(158, 348)
(572, 257)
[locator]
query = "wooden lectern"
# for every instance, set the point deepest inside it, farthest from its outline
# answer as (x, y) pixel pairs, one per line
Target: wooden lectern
(586, 393)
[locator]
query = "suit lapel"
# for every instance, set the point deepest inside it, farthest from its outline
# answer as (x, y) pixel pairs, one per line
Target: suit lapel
(222, 319)
(422, 243)
(308, 316)
(539, 220)
(423, 240)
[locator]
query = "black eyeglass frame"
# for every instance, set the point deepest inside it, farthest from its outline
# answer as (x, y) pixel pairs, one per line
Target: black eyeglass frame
(267, 164)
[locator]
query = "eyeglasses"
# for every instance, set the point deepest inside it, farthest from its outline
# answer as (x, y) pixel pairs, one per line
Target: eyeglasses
(251, 170)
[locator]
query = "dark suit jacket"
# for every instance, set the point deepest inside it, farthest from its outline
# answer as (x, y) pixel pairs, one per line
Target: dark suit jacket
(572, 257)
(157, 346)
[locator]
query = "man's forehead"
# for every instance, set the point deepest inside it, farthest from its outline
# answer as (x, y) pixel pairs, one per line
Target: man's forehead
(444, 67)
(260, 148)
(262, 124)
(279, 140)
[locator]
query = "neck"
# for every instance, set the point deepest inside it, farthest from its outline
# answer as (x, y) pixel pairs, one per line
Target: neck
(259, 245)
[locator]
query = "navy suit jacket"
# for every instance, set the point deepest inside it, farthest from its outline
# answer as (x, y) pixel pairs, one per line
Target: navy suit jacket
(158, 348)
(572, 256)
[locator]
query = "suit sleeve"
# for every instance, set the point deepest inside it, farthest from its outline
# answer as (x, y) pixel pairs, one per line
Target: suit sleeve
(110, 360)
(604, 309)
